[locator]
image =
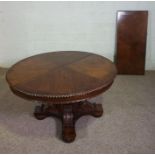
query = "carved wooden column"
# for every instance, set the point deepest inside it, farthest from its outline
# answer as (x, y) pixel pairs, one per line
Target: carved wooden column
(68, 124)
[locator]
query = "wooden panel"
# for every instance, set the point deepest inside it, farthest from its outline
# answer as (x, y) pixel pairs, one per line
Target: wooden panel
(131, 42)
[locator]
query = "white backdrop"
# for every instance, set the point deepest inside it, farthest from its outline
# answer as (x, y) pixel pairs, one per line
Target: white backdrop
(28, 28)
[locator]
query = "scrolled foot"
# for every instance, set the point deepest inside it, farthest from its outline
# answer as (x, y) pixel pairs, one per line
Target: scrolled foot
(88, 108)
(98, 110)
(39, 112)
(68, 134)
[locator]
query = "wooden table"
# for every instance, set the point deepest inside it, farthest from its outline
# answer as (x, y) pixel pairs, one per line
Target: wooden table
(63, 81)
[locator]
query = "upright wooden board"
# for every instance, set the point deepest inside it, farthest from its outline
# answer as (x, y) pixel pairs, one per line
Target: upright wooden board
(131, 42)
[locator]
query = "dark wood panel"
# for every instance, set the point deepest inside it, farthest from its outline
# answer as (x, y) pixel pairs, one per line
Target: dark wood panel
(131, 41)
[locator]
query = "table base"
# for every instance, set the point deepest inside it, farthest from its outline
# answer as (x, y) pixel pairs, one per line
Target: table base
(69, 114)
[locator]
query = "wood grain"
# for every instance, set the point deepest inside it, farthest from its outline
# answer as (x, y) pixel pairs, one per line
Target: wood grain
(131, 41)
(59, 77)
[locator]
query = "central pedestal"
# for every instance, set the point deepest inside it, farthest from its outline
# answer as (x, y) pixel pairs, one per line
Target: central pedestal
(68, 113)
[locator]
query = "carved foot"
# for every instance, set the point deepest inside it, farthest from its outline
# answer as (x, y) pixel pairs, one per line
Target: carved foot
(88, 108)
(98, 110)
(39, 112)
(43, 111)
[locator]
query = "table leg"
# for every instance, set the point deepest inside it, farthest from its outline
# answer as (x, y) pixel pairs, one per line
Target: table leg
(68, 124)
(69, 114)
(87, 108)
(43, 111)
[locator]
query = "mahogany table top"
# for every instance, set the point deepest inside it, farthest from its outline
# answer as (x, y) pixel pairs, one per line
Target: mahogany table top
(61, 77)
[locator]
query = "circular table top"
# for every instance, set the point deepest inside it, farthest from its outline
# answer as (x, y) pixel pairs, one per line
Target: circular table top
(60, 77)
